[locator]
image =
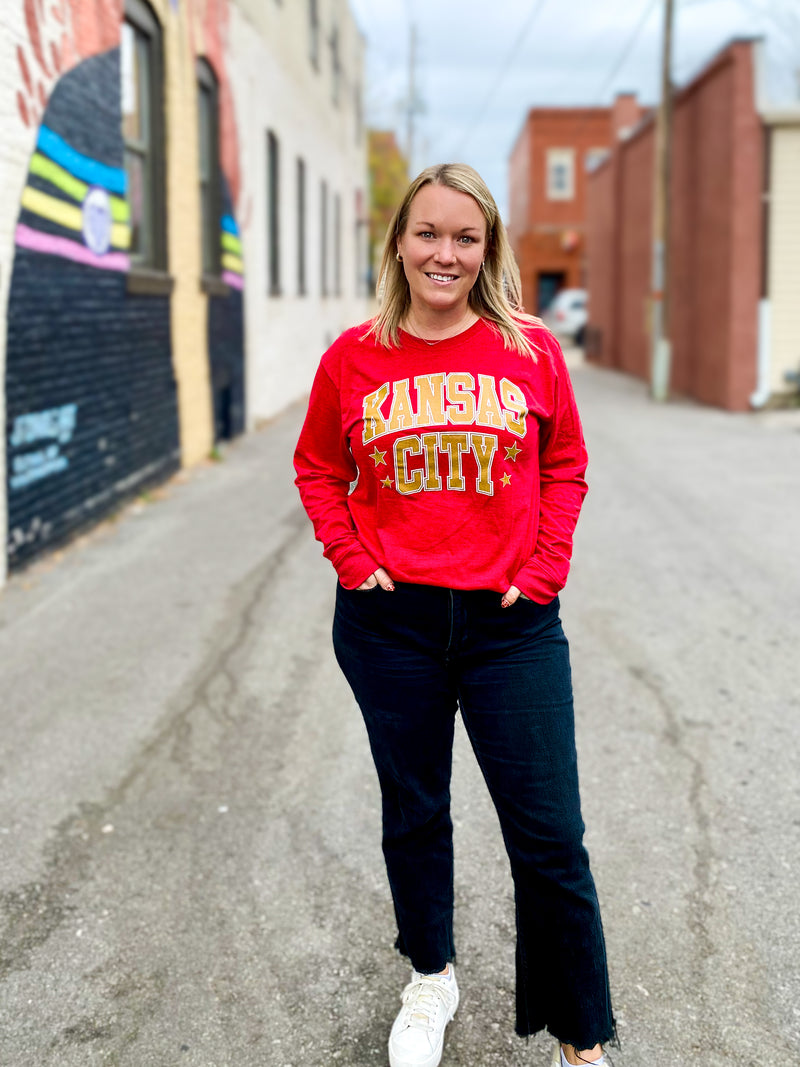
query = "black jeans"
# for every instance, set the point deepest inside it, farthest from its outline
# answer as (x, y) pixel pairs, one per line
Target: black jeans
(412, 657)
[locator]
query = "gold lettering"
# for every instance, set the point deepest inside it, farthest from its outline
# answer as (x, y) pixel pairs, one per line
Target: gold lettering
(374, 422)
(432, 477)
(484, 445)
(461, 410)
(515, 405)
(430, 400)
(401, 417)
(454, 444)
(489, 410)
(406, 482)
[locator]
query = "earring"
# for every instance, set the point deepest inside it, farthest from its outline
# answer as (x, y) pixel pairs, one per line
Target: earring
(482, 263)
(398, 257)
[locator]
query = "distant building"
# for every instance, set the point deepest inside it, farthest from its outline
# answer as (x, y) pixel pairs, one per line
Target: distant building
(547, 186)
(182, 231)
(734, 269)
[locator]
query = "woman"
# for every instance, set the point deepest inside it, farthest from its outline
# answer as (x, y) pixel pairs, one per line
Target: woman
(454, 414)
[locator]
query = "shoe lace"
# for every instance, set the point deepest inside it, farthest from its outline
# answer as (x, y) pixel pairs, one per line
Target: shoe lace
(423, 999)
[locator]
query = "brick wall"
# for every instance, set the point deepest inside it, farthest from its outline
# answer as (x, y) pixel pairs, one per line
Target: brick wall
(633, 255)
(714, 240)
(107, 390)
(548, 235)
(601, 253)
(90, 390)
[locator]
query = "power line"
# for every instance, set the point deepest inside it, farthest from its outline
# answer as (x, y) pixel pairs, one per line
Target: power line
(502, 73)
(628, 48)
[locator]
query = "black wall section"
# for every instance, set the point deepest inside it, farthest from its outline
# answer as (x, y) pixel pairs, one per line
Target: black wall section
(90, 389)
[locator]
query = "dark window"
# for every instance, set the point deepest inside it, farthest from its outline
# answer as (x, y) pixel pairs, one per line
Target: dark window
(337, 245)
(361, 279)
(143, 133)
(301, 227)
(210, 185)
(359, 112)
(336, 69)
(313, 33)
(323, 239)
(273, 215)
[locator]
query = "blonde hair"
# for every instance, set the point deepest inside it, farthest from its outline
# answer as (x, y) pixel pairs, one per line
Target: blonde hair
(496, 295)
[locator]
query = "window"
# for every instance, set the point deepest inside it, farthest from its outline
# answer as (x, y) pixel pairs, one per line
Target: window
(359, 112)
(273, 216)
(560, 173)
(208, 152)
(301, 227)
(361, 278)
(337, 245)
(336, 69)
(141, 69)
(323, 239)
(313, 33)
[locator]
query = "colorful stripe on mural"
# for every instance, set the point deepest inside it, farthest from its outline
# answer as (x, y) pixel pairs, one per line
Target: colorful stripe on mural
(63, 180)
(232, 263)
(113, 178)
(48, 243)
(70, 216)
(95, 206)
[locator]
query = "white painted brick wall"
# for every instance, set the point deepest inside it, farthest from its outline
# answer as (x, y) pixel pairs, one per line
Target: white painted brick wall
(277, 88)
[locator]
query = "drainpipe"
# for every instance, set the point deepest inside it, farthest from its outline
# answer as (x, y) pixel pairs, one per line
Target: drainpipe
(762, 392)
(764, 343)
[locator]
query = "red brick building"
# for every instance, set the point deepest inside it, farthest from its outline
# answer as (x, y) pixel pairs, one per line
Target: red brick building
(547, 203)
(718, 236)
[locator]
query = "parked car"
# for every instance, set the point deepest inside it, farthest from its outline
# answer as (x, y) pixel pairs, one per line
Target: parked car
(567, 314)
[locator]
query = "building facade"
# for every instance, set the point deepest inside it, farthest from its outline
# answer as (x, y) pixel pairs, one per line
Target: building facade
(778, 374)
(733, 314)
(548, 168)
(298, 92)
(181, 234)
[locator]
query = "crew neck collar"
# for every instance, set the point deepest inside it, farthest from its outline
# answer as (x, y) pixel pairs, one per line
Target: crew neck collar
(410, 340)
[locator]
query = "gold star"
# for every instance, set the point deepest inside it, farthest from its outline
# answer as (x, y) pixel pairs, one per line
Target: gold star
(387, 483)
(512, 452)
(506, 479)
(378, 457)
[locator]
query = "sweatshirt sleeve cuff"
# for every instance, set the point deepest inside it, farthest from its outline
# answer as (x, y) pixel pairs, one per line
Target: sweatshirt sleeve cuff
(538, 585)
(355, 569)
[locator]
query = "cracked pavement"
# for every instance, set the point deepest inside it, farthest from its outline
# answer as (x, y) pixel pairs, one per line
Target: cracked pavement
(189, 818)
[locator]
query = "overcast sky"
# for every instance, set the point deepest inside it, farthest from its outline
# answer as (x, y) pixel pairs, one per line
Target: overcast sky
(480, 64)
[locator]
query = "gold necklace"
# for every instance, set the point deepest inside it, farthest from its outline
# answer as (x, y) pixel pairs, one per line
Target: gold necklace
(415, 331)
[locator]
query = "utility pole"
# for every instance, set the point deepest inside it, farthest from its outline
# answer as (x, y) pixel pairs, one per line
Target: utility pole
(661, 348)
(412, 99)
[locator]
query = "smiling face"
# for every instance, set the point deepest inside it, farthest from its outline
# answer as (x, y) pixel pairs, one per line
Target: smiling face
(443, 246)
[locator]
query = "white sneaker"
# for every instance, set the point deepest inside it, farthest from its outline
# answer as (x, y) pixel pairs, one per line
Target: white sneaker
(557, 1060)
(429, 1003)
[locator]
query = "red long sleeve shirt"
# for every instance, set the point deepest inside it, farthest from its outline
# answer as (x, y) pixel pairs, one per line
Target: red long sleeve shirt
(468, 461)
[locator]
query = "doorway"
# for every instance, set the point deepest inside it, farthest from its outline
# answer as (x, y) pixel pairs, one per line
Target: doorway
(548, 284)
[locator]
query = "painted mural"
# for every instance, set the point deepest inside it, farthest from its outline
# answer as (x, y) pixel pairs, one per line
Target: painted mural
(91, 394)
(74, 206)
(226, 335)
(90, 391)
(60, 34)
(225, 314)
